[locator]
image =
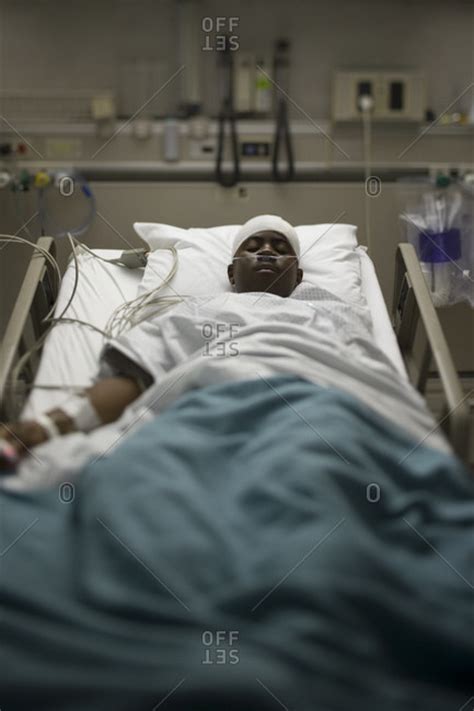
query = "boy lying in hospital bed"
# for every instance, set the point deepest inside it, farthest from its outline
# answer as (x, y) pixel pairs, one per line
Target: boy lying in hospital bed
(286, 491)
(266, 326)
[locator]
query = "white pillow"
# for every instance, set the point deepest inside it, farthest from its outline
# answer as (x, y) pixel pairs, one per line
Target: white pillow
(328, 259)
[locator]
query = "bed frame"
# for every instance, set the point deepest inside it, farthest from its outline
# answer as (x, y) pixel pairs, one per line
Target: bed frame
(416, 323)
(421, 341)
(37, 295)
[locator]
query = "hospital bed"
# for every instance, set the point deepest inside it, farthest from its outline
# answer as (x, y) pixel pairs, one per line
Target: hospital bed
(319, 538)
(413, 341)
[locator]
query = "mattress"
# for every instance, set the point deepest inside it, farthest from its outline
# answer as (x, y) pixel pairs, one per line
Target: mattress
(70, 354)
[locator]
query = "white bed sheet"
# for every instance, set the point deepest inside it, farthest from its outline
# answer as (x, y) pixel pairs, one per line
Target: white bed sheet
(70, 354)
(383, 331)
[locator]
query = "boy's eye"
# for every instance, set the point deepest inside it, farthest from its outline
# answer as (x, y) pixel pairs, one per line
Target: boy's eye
(252, 245)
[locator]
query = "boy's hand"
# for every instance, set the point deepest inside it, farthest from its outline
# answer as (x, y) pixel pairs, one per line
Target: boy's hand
(22, 436)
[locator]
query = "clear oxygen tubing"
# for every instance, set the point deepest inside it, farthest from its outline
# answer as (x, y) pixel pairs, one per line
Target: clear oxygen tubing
(267, 257)
(46, 222)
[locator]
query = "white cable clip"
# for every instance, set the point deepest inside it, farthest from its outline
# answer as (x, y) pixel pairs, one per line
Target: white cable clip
(81, 411)
(48, 424)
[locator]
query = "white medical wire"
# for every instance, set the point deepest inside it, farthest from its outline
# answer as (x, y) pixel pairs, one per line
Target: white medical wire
(97, 256)
(76, 280)
(125, 316)
(86, 249)
(89, 251)
(39, 342)
(133, 312)
(49, 257)
(21, 240)
(79, 321)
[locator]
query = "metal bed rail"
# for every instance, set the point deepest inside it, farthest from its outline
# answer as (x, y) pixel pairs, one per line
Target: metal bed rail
(36, 297)
(416, 322)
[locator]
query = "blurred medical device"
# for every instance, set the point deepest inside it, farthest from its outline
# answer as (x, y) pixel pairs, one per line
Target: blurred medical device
(397, 95)
(438, 221)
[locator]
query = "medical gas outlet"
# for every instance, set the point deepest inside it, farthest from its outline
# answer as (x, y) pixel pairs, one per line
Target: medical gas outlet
(396, 95)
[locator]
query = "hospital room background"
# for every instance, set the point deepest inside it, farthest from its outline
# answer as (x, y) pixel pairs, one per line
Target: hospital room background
(111, 113)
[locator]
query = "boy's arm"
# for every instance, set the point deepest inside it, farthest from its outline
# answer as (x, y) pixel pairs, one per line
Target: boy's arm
(109, 397)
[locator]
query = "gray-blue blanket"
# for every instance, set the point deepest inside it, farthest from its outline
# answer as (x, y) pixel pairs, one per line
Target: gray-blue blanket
(260, 545)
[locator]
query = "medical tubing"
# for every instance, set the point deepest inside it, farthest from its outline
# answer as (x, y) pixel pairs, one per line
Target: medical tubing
(127, 318)
(266, 257)
(26, 356)
(80, 322)
(44, 252)
(138, 253)
(126, 313)
(76, 231)
(48, 424)
(82, 247)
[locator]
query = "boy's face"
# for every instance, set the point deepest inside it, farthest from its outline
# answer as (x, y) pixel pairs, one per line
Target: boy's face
(267, 262)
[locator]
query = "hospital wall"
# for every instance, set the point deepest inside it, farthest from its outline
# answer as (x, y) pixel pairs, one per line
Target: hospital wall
(80, 45)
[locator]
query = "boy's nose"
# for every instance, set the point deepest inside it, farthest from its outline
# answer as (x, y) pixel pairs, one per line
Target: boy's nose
(266, 249)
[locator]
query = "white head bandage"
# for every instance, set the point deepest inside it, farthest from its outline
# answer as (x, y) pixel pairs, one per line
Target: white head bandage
(264, 223)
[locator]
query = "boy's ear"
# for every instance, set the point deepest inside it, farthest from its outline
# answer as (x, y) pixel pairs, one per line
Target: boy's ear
(230, 274)
(299, 276)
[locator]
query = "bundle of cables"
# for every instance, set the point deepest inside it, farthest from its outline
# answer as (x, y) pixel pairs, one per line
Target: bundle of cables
(124, 317)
